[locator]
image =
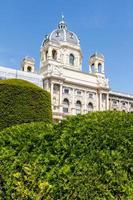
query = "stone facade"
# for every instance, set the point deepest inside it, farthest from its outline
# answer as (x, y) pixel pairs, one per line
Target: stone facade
(72, 91)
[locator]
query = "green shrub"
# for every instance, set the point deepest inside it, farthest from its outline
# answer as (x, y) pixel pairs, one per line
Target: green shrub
(83, 157)
(96, 157)
(22, 102)
(26, 158)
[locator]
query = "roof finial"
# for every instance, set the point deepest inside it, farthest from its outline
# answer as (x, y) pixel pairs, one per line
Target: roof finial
(62, 24)
(62, 16)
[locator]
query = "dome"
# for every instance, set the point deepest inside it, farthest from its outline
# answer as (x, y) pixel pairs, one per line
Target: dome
(29, 59)
(62, 34)
(97, 55)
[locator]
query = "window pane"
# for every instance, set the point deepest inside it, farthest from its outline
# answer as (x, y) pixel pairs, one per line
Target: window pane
(71, 59)
(66, 91)
(65, 110)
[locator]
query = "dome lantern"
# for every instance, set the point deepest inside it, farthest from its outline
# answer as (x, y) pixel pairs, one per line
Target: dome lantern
(62, 24)
(62, 34)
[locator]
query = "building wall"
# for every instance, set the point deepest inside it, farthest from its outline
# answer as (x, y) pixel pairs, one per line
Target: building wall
(7, 73)
(75, 86)
(121, 102)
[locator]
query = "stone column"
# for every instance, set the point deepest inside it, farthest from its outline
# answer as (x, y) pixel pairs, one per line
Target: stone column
(97, 101)
(128, 106)
(96, 66)
(100, 102)
(51, 91)
(60, 103)
(73, 105)
(49, 52)
(102, 68)
(107, 101)
(85, 102)
(46, 84)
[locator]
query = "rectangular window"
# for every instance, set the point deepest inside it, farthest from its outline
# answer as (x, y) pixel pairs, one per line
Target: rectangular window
(123, 103)
(78, 92)
(91, 95)
(65, 110)
(114, 102)
(56, 88)
(78, 111)
(66, 91)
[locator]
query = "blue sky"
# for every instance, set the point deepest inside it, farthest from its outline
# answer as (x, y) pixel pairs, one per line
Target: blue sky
(102, 25)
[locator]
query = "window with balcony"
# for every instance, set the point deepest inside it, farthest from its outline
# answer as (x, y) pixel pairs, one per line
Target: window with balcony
(90, 107)
(78, 107)
(65, 105)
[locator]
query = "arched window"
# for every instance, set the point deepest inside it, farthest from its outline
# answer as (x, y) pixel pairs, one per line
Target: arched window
(90, 107)
(71, 59)
(29, 69)
(54, 54)
(99, 68)
(93, 68)
(65, 105)
(78, 107)
(46, 54)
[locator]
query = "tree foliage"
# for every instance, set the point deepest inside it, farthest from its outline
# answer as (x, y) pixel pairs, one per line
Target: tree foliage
(83, 157)
(22, 102)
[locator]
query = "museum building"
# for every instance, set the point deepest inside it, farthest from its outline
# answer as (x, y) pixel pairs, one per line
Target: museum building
(72, 90)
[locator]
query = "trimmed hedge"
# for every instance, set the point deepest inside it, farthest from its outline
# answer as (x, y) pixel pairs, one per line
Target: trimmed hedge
(22, 102)
(83, 157)
(25, 158)
(96, 157)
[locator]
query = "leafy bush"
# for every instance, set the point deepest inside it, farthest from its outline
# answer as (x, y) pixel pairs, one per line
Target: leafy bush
(22, 102)
(26, 158)
(96, 157)
(83, 157)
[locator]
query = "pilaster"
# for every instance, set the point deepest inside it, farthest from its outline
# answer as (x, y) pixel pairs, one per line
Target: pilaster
(61, 98)
(73, 105)
(100, 101)
(107, 101)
